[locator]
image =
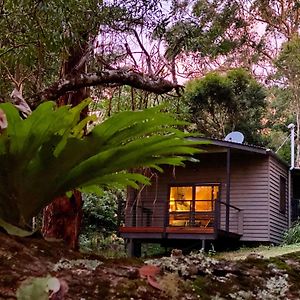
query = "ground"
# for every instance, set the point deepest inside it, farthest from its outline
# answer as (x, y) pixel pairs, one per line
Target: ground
(265, 251)
(195, 276)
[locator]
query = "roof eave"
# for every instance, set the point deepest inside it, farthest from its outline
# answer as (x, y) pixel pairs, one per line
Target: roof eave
(243, 147)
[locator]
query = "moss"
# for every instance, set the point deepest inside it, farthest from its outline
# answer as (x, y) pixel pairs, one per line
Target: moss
(206, 287)
(7, 280)
(261, 264)
(5, 262)
(201, 287)
(101, 290)
(292, 255)
(127, 289)
(279, 263)
(132, 261)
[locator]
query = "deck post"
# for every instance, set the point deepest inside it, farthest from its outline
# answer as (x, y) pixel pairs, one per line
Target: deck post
(166, 215)
(133, 248)
(228, 181)
(217, 214)
(203, 245)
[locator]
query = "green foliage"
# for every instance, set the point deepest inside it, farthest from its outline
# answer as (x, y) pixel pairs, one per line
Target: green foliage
(292, 236)
(100, 212)
(47, 155)
(153, 250)
(37, 288)
(221, 103)
(102, 215)
(110, 246)
(125, 99)
(279, 115)
(288, 64)
(37, 37)
(13, 230)
(203, 27)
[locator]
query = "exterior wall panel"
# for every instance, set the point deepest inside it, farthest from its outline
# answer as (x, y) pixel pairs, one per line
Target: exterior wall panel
(254, 189)
(278, 220)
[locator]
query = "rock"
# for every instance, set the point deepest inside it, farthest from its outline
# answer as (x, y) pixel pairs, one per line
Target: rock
(176, 253)
(294, 264)
(133, 273)
(254, 255)
(274, 270)
(254, 272)
(193, 270)
(225, 267)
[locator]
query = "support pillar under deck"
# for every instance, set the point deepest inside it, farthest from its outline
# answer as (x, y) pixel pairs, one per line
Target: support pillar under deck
(203, 245)
(134, 248)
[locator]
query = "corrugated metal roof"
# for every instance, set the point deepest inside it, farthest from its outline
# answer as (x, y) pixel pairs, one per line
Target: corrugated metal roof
(234, 143)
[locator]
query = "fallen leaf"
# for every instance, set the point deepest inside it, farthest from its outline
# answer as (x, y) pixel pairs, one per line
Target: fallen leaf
(149, 270)
(153, 282)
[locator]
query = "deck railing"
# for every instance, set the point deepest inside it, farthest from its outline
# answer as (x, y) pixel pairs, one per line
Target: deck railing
(235, 218)
(160, 217)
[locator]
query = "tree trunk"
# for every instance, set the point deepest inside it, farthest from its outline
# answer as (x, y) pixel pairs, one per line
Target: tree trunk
(62, 218)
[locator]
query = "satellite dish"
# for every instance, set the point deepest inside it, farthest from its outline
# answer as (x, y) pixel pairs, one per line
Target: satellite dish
(235, 136)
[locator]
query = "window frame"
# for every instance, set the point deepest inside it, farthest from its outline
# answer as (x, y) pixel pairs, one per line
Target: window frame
(192, 211)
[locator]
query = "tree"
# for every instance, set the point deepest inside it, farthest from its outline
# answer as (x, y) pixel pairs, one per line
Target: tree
(221, 103)
(281, 17)
(202, 33)
(54, 50)
(288, 64)
(38, 38)
(220, 35)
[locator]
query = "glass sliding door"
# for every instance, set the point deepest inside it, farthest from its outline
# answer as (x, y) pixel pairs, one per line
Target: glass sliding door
(181, 202)
(193, 205)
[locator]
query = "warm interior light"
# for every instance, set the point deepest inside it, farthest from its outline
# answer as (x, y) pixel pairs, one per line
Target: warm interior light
(180, 198)
(182, 204)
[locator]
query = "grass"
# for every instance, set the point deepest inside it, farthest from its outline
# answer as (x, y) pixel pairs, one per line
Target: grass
(266, 251)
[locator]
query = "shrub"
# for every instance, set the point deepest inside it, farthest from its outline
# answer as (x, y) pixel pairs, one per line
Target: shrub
(292, 235)
(100, 212)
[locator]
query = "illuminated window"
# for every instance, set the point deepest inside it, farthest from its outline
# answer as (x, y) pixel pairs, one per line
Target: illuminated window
(192, 205)
(205, 196)
(180, 198)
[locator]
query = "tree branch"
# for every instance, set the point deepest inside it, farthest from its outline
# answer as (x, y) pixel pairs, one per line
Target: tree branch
(122, 76)
(148, 58)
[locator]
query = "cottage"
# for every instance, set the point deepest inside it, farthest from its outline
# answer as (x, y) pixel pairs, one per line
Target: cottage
(234, 192)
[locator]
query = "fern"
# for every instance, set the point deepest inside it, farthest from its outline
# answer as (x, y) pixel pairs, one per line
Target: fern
(47, 154)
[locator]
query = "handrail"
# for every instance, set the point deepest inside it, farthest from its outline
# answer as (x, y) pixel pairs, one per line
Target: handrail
(147, 217)
(146, 209)
(229, 205)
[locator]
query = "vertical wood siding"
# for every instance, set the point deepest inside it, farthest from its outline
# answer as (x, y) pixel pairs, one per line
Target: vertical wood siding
(278, 220)
(254, 180)
(249, 192)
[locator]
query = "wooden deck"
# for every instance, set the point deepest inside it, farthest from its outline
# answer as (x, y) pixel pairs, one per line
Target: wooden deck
(141, 229)
(169, 233)
(167, 230)
(190, 230)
